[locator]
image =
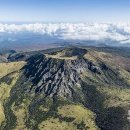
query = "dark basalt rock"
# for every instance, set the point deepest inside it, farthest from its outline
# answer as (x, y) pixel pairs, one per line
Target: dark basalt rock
(61, 76)
(54, 76)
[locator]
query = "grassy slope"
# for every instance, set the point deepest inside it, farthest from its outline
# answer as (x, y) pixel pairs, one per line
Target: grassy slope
(5, 89)
(6, 68)
(8, 77)
(110, 101)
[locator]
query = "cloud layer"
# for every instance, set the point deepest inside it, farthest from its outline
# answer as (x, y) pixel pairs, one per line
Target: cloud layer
(71, 31)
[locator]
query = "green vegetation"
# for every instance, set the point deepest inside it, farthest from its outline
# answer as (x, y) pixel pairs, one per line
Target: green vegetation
(115, 96)
(81, 116)
(56, 124)
(5, 89)
(6, 68)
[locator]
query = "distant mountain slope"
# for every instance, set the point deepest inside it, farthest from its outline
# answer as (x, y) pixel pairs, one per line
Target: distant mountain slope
(67, 88)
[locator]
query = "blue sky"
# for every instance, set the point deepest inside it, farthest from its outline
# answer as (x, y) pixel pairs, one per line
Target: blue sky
(65, 10)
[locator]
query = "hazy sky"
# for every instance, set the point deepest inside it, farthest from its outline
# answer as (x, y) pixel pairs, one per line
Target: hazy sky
(65, 10)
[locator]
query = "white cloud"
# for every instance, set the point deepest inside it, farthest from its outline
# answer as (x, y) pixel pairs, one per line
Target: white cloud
(70, 31)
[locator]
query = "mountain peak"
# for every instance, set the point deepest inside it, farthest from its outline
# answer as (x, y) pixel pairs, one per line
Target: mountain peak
(60, 73)
(66, 87)
(68, 53)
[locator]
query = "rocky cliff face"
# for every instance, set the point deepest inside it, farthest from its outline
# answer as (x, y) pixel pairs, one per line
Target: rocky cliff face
(59, 74)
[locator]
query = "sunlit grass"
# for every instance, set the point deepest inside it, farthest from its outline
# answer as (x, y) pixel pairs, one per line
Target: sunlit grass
(5, 93)
(6, 68)
(80, 114)
(56, 124)
(115, 96)
(21, 114)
